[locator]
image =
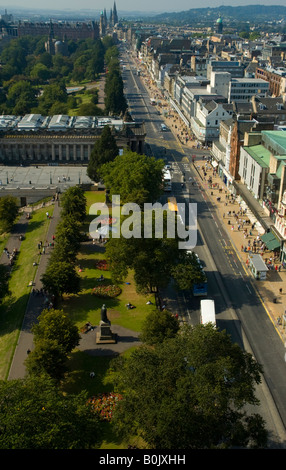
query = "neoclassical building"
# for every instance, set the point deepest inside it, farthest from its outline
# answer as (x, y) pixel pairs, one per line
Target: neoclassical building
(60, 139)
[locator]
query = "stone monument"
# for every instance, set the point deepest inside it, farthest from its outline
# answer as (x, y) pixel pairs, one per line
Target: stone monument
(105, 335)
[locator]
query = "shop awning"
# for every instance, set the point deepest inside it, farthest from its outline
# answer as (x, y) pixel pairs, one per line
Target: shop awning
(273, 245)
(271, 242)
(267, 237)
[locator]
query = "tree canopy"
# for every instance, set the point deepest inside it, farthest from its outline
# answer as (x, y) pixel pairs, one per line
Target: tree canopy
(35, 414)
(73, 203)
(104, 151)
(190, 392)
(8, 212)
(136, 178)
(158, 326)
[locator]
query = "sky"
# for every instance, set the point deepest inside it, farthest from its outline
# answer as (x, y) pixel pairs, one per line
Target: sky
(131, 5)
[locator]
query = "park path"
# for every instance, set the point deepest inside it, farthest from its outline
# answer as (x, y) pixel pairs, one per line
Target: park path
(35, 305)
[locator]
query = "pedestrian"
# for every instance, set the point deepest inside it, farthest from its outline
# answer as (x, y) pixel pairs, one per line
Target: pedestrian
(44, 250)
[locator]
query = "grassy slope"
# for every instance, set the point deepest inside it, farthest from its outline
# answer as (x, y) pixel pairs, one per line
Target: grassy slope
(13, 308)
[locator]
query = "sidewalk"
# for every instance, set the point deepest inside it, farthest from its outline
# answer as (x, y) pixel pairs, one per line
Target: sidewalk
(225, 209)
(269, 289)
(36, 304)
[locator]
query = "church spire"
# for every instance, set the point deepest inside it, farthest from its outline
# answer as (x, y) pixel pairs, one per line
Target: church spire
(115, 16)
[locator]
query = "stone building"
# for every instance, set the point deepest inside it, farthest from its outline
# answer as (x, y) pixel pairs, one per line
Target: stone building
(36, 139)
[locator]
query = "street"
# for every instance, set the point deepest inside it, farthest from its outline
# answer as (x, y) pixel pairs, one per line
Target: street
(239, 310)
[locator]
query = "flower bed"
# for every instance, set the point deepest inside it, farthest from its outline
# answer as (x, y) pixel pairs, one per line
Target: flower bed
(104, 404)
(107, 220)
(102, 264)
(106, 291)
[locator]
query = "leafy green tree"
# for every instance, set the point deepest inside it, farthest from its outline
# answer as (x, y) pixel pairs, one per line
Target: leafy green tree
(53, 93)
(188, 272)
(8, 212)
(89, 109)
(190, 392)
(15, 55)
(151, 260)
(48, 357)
(105, 150)
(159, 326)
(73, 203)
(41, 72)
(61, 278)
(111, 53)
(21, 91)
(67, 240)
(35, 414)
(115, 101)
(55, 325)
(136, 178)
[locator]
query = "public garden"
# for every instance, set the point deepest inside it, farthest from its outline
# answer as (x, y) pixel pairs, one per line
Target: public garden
(83, 308)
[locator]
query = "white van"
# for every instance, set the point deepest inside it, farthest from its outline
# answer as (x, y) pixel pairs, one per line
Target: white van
(207, 312)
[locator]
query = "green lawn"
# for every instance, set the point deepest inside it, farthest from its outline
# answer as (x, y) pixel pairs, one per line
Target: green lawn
(86, 307)
(82, 308)
(13, 308)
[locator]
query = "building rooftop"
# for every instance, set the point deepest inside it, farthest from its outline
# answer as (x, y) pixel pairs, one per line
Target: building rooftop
(59, 122)
(275, 140)
(260, 154)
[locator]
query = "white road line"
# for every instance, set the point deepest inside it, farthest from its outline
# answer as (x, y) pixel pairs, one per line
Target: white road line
(248, 288)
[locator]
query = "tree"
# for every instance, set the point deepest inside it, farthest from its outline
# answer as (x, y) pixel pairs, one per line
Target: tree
(115, 101)
(57, 326)
(136, 178)
(89, 109)
(21, 91)
(55, 336)
(53, 93)
(105, 150)
(190, 392)
(8, 212)
(67, 240)
(151, 260)
(73, 203)
(48, 357)
(159, 326)
(61, 278)
(61, 421)
(41, 72)
(188, 272)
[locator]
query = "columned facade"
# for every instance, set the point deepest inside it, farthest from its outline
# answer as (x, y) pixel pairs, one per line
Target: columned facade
(62, 147)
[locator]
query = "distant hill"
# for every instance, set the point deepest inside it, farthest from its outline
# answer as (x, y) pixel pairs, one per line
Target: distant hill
(251, 13)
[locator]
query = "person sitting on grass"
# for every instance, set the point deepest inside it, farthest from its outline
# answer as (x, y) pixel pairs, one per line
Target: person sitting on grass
(129, 306)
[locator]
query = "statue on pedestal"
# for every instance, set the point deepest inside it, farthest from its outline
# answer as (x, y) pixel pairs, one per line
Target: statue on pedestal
(104, 314)
(105, 335)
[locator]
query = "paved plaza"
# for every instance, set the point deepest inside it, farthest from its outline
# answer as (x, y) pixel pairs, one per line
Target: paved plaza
(42, 176)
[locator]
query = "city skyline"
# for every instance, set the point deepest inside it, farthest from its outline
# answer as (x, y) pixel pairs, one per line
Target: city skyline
(160, 6)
